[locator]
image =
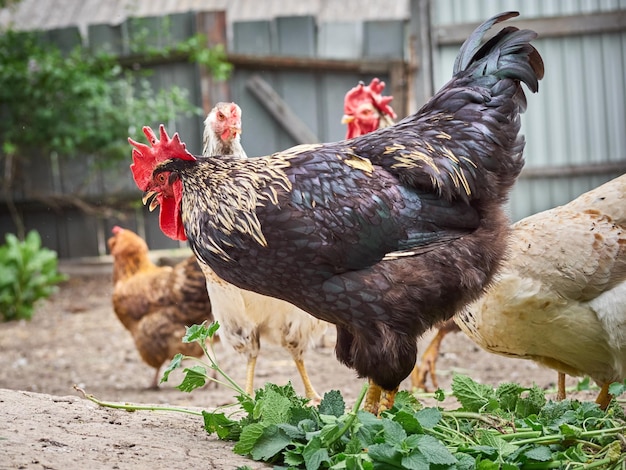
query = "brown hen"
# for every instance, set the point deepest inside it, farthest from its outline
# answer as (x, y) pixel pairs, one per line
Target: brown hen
(156, 303)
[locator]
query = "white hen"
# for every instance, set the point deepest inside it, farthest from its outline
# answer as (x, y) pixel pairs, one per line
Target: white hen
(560, 298)
(247, 317)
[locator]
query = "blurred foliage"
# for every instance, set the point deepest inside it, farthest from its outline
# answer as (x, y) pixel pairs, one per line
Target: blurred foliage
(83, 102)
(28, 273)
(8, 3)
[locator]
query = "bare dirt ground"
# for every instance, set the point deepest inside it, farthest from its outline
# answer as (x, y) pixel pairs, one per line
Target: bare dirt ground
(76, 339)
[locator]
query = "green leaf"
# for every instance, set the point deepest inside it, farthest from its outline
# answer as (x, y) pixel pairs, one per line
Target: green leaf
(415, 461)
(508, 394)
(196, 333)
(530, 404)
(250, 434)
(195, 377)
(406, 400)
(314, 454)
(488, 465)
(429, 417)
(465, 462)
(617, 388)
(225, 428)
(332, 404)
(434, 451)
(393, 432)
(502, 447)
(385, 453)
(409, 422)
(330, 433)
(472, 395)
(28, 273)
(570, 432)
(293, 457)
(539, 453)
(274, 408)
(175, 363)
(270, 443)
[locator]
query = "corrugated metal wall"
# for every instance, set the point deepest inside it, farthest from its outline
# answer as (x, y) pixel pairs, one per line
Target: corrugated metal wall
(469, 11)
(578, 118)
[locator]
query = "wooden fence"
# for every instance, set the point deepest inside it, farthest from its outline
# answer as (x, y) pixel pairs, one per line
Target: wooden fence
(291, 74)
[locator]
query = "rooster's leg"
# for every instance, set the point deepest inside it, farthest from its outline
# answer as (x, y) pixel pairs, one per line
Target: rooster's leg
(604, 397)
(429, 358)
(250, 375)
(309, 391)
(387, 398)
(372, 398)
(560, 387)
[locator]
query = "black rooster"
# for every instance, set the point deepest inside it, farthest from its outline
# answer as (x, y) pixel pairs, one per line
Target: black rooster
(383, 235)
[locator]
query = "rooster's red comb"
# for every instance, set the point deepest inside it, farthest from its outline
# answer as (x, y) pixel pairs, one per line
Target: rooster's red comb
(371, 92)
(147, 157)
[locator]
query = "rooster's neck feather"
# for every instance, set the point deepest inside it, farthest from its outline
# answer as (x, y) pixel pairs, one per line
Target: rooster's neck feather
(229, 209)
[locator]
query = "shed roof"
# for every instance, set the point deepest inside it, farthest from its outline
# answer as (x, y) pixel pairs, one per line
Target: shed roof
(49, 14)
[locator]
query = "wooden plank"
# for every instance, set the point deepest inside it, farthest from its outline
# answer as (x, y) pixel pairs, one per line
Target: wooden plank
(340, 40)
(421, 73)
(280, 110)
(105, 38)
(384, 39)
(295, 36)
(65, 39)
(569, 171)
(213, 25)
(550, 27)
(300, 90)
(372, 66)
(252, 37)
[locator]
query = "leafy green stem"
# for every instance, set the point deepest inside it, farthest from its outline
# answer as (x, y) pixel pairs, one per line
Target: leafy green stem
(131, 407)
(352, 415)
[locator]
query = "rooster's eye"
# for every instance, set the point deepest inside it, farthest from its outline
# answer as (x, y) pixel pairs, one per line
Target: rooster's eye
(221, 116)
(161, 178)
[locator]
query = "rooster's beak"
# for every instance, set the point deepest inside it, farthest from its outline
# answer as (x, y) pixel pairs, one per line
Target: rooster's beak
(150, 196)
(347, 119)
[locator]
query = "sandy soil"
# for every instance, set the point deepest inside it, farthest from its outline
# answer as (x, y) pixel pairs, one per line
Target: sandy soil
(76, 339)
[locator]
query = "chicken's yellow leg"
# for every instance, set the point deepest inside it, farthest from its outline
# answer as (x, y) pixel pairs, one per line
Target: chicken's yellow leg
(309, 391)
(429, 359)
(250, 375)
(372, 398)
(604, 397)
(560, 388)
(387, 398)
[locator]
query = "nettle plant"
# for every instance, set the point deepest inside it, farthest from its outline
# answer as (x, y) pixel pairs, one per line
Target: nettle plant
(28, 273)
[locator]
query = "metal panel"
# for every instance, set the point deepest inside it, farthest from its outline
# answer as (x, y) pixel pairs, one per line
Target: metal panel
(469, 11)
(577, 118)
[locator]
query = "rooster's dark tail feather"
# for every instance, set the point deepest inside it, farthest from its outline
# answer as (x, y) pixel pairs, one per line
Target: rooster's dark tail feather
(508, 54)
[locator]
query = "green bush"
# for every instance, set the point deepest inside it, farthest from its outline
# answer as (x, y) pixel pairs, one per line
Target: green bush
(28, 272)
